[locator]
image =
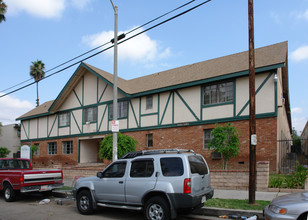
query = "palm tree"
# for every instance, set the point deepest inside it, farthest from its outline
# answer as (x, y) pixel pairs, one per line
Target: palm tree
(37, 71)
(2, 11)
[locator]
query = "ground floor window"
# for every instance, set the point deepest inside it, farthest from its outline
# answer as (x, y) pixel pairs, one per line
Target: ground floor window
(67, 147)
(149, 140)
(207, 137)
(52, 148)
(36, 149)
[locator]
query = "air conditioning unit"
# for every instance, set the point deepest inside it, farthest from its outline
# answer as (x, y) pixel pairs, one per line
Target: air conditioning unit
(216, 156)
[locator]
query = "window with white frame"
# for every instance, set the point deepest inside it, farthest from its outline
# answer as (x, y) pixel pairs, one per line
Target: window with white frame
(149, 140)
(149, 102)
(217, 93)
(122, 109)
(207, 137)
(67, 147)
(64, 119)
(52, 148)
(90, 115)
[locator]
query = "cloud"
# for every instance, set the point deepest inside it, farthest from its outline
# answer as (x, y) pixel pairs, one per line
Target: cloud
(303, 15)
(41, 8)
(299, 123)
(11, 108)
(300, 54)
(80, 4)
(138, 49)
(296, 110)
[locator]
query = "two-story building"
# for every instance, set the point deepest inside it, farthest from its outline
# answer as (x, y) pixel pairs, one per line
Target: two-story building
(175, 108)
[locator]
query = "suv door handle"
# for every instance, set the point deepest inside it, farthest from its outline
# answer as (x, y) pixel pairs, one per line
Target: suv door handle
(121, 182)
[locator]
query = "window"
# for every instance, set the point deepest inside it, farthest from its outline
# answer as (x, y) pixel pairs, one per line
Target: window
(149, 140)
(116, 170)
(197, 165)
(52, 148)
(149, 102)
(90, 114)
(172, 166)
(142, 168)
(122, 110)
(207, 137)
(218, 93)
(64, 119)
(37, 152)
(67, 147)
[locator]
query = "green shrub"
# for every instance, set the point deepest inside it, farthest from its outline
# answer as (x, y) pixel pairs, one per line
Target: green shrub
(125, 144)
(276, 182)
(4, 152)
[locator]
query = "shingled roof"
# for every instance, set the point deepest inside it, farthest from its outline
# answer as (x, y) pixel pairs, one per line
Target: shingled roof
(270, 56)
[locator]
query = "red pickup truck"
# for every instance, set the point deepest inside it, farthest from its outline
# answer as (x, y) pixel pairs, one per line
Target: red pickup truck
(17, 175)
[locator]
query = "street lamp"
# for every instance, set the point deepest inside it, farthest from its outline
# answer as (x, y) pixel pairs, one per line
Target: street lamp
(115, 84)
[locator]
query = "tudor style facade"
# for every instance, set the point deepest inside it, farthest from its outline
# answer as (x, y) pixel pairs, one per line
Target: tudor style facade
(176, 108)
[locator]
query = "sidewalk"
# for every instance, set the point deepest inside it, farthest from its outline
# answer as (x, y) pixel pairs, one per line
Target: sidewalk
(241, 194)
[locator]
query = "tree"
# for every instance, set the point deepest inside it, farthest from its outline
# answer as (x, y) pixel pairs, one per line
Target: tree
(4, 152)
(226, 141)
(3, 8)
(37, 71)
(125, 144)
(297, 142)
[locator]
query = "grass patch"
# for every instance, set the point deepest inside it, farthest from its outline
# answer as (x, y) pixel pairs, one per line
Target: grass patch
(65, 188)
(236, 204)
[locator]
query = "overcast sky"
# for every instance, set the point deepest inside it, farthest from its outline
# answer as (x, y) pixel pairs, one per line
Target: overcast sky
(55, 31)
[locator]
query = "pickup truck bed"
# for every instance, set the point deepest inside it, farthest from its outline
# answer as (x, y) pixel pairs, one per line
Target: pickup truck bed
(17, 175)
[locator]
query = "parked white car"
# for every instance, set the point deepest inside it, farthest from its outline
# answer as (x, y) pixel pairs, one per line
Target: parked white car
(288, 207)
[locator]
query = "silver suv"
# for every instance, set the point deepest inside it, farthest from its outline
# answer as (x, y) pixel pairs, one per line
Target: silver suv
(159, 182)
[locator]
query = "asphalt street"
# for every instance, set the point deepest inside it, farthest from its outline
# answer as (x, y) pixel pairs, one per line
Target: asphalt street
(28, 208)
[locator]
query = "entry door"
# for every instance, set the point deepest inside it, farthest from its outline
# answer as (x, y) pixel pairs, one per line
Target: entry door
(110, 188)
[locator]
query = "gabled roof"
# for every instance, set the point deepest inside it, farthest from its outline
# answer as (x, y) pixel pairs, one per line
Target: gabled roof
(266, 58)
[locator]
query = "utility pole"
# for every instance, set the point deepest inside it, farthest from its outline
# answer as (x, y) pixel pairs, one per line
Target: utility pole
(115, 84)
(252, 107)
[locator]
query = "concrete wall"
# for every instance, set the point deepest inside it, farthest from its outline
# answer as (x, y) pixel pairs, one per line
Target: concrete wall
(239, 180)
(10, 138)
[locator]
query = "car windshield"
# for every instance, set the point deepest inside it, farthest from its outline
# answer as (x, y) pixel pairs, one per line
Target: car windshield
(197, 165)
(14, 164)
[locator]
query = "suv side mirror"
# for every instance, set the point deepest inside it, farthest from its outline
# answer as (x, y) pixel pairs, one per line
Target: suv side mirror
(99, 175)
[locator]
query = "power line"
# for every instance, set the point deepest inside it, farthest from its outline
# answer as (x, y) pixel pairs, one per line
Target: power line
(103, 44)
(150, 28)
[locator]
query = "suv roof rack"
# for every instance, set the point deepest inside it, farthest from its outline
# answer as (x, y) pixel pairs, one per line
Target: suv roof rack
(152, 152)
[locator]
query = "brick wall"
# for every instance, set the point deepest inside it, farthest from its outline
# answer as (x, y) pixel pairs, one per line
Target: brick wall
(46, 160)
(191, 137)
(239, 180)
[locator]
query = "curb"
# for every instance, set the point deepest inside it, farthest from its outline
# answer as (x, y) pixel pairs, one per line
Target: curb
(209, 211)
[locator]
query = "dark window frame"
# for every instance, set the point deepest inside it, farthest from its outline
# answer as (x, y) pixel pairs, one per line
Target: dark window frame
(67, 147)
(90, 115)
(150, 142)
(67, 120)
(218, 93)
(52, 148)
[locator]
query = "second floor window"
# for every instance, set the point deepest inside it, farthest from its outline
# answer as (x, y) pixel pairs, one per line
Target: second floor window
(90, 114)
(122, 110)
(64, 119)
(218, 93)
(149, 102)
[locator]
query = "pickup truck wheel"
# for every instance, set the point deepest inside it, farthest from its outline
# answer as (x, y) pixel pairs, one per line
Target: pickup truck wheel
(9, 193)
(156, 208)
(84, 202)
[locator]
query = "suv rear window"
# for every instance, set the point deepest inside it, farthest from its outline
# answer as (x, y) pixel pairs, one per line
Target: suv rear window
(197, 165)
(172, 166)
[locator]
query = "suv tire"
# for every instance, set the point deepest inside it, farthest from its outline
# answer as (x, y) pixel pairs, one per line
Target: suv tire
(156, 208)
(9, 193)
(84, 202)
